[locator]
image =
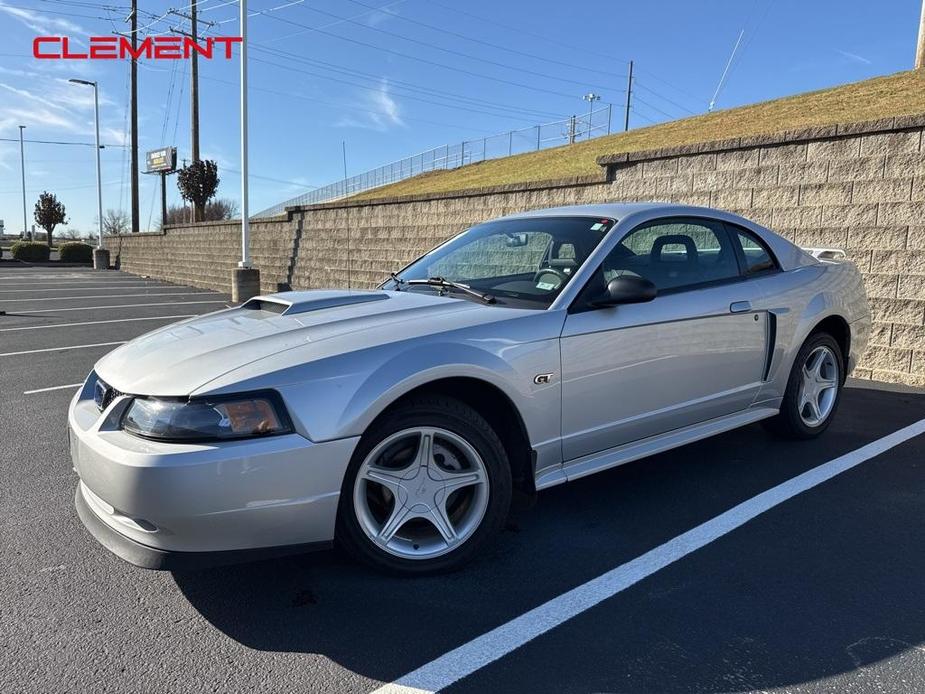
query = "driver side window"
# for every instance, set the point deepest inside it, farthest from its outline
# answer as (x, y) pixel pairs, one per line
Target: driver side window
(674, 254)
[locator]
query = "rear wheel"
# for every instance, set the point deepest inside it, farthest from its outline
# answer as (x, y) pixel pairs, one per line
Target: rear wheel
(813, 389)
(427, 487)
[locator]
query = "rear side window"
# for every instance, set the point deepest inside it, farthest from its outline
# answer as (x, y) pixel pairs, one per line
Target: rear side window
(756, 258)
(675, 254)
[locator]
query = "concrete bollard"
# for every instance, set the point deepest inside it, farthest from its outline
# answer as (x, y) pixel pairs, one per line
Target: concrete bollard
(245, 284)
(100, 259)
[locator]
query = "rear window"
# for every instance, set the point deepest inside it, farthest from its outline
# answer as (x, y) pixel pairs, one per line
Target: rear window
(757, 257)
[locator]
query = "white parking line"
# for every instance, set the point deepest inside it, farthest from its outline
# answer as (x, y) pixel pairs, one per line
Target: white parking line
(61, 349)
(476, 654)
(92, 322)
(71, 282)
(93, 308)
(109, 296)
(61, 289)
(45, 390)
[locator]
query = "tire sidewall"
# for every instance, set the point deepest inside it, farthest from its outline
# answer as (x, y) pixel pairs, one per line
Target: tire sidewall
(454, 416)
(791, 404)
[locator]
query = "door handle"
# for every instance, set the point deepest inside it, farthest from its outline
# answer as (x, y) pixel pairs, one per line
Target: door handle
(740, 306)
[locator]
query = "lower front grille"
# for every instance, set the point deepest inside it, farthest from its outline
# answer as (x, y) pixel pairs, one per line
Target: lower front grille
(104, 394)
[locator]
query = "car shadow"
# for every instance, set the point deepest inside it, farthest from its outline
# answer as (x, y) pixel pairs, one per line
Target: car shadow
(382, 627)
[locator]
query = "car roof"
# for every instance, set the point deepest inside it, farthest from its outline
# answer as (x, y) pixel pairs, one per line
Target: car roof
(611, 210)
(789, 256)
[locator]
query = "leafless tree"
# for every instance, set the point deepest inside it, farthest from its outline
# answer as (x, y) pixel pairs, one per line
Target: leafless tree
(115, 222)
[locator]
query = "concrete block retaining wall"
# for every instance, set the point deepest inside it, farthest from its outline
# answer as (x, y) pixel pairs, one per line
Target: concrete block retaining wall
(859, 186)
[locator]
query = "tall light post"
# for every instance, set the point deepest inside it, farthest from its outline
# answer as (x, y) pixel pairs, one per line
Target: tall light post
(22, 168)
(591, 97)
(245, 282)
(99, 254)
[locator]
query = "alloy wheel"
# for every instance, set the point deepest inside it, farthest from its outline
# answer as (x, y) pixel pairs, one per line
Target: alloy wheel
(421, 492)
(819, 386)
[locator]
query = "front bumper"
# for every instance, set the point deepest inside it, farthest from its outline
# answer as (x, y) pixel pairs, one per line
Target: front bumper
(162, 560)
(168, 505)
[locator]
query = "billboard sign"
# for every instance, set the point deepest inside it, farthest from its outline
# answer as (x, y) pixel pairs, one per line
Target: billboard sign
(163, 160)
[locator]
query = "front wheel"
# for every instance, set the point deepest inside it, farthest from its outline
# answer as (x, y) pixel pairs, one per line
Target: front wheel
(813, 390)
(427, 487)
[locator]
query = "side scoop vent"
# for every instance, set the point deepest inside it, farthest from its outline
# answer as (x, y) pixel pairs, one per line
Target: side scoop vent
(291, 303)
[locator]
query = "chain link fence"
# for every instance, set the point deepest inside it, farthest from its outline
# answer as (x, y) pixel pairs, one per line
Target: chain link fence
(451, 156)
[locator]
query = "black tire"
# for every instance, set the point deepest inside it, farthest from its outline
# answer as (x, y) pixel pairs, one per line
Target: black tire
(431, 411)
(789, 423)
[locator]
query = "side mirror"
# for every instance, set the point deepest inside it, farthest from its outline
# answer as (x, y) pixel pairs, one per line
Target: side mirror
(626, 289)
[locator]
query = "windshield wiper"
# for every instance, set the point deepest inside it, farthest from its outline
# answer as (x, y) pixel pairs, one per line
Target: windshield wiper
(450, 284)
(397, 280)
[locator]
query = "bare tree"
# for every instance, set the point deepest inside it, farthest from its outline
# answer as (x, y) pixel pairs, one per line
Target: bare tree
(115, 222)
(214, 211)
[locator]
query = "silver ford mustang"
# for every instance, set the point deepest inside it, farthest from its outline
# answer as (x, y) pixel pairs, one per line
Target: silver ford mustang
(523, 353)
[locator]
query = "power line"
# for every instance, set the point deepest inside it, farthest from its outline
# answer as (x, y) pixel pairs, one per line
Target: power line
(654, 108)
(506, 116)
(59, 142)
(417, 58)
(496, 46)
(404, 85)
(661, 96)
(451, 51)
(381, 8)
(347, 107)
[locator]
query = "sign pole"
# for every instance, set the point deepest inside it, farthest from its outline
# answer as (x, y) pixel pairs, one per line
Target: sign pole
(163, 199)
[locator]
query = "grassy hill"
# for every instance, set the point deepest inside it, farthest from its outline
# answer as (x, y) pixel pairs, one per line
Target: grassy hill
(899, 94)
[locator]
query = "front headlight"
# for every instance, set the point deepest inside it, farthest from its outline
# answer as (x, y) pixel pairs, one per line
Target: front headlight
(204, 419)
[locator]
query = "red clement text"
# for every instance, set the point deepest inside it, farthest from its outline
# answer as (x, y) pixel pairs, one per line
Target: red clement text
(120, 48)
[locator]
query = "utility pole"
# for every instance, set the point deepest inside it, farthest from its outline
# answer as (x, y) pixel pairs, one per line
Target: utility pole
(22, 167)
(194, 86)
(134, 109)
(920, 50)
(193, 18)
(571, 130)
(629, 98)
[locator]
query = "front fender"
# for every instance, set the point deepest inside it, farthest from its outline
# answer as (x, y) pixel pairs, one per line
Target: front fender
(509, 366)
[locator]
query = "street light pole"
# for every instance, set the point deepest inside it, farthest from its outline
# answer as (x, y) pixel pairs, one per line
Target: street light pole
(22, 168)
(245, 282)
(99, 175)
(591, 97)
(245, 222)
(100, 255)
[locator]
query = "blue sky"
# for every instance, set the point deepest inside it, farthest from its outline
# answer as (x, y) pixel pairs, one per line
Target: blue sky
(395, 77)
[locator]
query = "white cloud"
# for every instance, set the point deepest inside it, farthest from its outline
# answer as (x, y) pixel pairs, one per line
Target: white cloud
(382, 15)
(854, 57)
(381, 112)
(42, 24)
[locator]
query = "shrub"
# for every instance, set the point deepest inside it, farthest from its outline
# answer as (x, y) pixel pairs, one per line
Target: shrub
(30, 251)
(75, 253)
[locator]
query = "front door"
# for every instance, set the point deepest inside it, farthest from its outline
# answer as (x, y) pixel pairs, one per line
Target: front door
(696, 352)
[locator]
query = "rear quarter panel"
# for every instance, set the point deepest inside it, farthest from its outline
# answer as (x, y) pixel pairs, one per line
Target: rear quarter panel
(802, 298)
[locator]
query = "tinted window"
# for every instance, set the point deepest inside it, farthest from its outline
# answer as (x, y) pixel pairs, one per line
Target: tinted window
(756, 257)
(674, 254)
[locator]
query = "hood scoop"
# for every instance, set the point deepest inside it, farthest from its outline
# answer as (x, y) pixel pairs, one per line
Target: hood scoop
(292, 303)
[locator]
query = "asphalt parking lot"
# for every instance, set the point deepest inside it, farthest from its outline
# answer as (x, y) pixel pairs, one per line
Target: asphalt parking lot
(821, 592)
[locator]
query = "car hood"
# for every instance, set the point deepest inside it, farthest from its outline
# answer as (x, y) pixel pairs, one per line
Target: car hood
(178, 359)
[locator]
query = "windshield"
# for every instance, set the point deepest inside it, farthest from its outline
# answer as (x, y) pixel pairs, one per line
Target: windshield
(523, 262)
